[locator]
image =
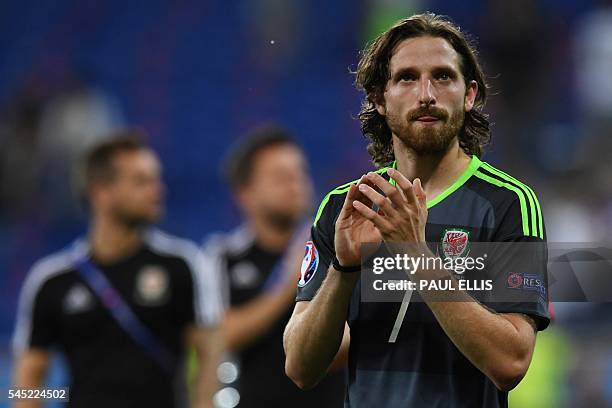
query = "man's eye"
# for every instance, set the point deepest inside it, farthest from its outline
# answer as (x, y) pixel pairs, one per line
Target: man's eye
(407, 77)
(443, 77)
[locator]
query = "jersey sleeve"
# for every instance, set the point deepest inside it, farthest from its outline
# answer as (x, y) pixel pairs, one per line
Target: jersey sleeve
(520, 258)
(36, 324)
(319, 252)
(214, 261)
(207, 290)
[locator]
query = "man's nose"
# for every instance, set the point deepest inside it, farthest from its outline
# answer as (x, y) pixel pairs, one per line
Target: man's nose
(426, 92)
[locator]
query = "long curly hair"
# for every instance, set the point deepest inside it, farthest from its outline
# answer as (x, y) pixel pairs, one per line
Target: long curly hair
(373, 73)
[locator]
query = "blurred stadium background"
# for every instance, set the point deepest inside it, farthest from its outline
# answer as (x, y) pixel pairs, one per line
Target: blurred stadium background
(195, 75)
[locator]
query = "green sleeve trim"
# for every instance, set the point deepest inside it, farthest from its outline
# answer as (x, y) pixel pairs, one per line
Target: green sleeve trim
(519, 193)
(537, 224)
(339, 190)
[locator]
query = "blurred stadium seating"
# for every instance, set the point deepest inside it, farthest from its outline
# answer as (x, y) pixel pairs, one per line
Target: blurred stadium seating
(198, 74)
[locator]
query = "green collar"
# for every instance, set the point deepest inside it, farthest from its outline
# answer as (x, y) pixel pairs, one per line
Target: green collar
(471, 169)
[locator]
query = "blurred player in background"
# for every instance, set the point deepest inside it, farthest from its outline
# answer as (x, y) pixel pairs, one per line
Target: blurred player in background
(422, 114)
(269, 178)
(124, 303)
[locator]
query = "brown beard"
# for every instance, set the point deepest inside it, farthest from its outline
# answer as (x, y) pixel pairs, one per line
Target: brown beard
(427, 141)
(133, 220)
(281, 221)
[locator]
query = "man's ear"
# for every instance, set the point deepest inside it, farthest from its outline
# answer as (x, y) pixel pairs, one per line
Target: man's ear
(470, 95)
(378, 100)
(95, 194)
(242, 197)
(98, 196)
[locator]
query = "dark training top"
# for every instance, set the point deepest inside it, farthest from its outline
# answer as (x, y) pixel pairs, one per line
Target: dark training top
(249, 271)
(423, 368)
(165, 286)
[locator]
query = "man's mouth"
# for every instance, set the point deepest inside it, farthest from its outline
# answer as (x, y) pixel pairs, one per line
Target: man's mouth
(427, 119)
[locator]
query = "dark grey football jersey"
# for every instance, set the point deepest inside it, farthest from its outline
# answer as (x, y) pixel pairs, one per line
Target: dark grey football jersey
(423, 368)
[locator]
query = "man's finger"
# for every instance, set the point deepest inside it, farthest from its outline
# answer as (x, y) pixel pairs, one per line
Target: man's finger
(381, 201)
(378, 220)
(347, 206)
(420, 193)
(393, 193)
(360, 196)
(404, 184)
(351, 194)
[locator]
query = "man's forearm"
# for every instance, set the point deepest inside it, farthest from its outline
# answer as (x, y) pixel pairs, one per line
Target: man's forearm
(30, 371)
(312, 337)
(205, 387)
(246, 323)
(493, 342)
(208, 343)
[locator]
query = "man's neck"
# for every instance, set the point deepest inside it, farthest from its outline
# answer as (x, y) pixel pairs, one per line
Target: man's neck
(437, 172)
(111, 241)
(270, 238)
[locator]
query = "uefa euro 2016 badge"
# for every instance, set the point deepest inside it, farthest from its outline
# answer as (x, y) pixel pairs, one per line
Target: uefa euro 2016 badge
(309, 264)
(245, 275)
(455, 243)
(78, 299)
(152, 286)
